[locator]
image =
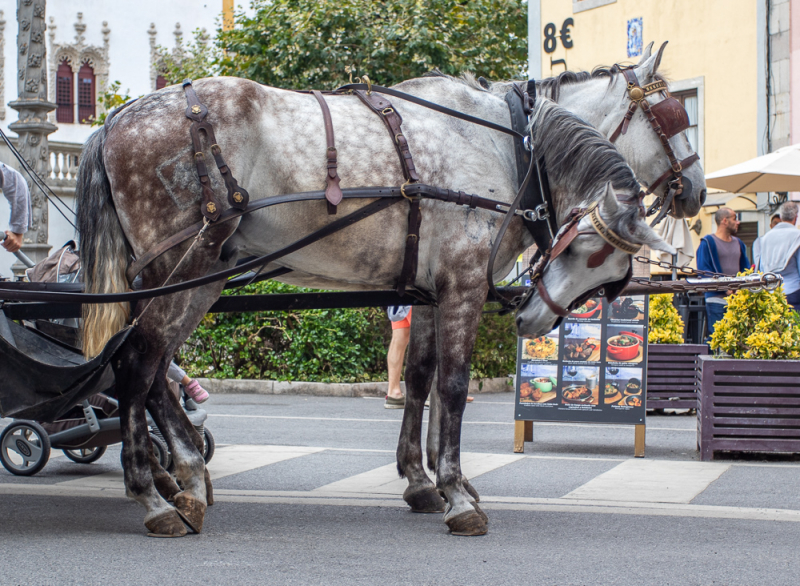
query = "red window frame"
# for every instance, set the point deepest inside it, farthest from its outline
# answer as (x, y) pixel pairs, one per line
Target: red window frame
(65, 112)
(86, 94)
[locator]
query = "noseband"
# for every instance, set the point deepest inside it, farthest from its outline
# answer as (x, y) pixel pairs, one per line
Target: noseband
(668, 118)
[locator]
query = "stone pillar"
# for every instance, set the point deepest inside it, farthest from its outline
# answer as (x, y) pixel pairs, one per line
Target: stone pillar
(32, 126)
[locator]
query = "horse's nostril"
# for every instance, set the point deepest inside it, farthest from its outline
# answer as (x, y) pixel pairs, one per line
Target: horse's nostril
(518, 321)
(703, 196)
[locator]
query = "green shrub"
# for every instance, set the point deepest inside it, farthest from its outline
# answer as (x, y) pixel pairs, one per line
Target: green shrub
(758, 324)
(322, 345)
(666, 324)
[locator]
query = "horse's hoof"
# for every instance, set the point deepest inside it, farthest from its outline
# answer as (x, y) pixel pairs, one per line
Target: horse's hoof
(166, 524)
(470, 489)
(468, 523)
(483, 515)
(424, 500)
(209, 489)
(191, 510)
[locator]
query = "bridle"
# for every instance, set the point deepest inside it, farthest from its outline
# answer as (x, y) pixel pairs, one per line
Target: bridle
(539, 217)
(667, 118)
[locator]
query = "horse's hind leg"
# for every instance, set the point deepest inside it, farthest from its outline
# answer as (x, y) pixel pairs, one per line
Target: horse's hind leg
(161, 519)
(189, 467)
(457, 320)
(421, 494)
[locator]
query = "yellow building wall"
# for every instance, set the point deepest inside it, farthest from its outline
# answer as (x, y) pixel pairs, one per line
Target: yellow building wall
(713, 39)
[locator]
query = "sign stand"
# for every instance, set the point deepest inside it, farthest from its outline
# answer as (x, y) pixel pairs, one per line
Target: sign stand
(592, 369)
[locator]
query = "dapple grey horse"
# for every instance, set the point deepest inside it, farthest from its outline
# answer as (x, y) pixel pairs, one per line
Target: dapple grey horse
(137, 186)
(601, 99)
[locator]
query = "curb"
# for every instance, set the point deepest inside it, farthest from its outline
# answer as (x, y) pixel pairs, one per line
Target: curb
(217, 386)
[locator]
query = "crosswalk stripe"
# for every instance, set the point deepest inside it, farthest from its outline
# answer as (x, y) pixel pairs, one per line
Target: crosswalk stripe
(651, 481)
(228, 460)
(385, 480)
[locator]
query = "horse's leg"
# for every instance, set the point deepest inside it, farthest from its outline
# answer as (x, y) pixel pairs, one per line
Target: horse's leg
(421, 493)
(432, 443)
(131, 370)
(189, 466)
(457, 320)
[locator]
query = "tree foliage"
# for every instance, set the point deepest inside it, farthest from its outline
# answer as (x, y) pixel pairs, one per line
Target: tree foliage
(303, 44)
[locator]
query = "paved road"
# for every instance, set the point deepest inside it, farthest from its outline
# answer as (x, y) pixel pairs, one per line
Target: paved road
(307, 493)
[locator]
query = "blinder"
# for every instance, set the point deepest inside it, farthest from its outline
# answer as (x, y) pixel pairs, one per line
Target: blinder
(671, 116)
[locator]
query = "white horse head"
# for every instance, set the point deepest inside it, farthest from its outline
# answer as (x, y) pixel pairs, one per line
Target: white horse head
(584, 169)
(601, 98)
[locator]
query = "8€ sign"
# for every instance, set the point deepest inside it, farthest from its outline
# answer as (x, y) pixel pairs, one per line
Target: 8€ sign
(550, 39)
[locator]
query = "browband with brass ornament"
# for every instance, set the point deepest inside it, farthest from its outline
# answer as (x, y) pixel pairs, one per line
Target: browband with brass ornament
(608, 234)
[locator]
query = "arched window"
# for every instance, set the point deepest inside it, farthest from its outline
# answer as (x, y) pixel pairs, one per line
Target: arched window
(161, 82)
(66, 106)
(86, 89)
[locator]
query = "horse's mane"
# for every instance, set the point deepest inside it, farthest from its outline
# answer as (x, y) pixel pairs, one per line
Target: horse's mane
(580, 160)
(466, 78)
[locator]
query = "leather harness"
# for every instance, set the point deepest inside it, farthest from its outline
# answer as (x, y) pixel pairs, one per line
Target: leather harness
(533, 198)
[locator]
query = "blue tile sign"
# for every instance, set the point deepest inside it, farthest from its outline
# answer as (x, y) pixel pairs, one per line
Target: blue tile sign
(635, 37)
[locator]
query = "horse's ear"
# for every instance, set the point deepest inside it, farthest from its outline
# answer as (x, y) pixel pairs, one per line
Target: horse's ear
(660, 54)
(608, 203)
(647, 68)
(646, 53)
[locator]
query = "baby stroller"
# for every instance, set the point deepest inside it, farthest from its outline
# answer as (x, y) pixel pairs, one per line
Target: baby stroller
(59, 400)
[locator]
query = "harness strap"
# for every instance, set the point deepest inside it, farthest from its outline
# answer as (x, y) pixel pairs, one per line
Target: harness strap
(416, 189)
(684, 164)
(333, 193)
(393, 121)
(554, 307)
(237, 196)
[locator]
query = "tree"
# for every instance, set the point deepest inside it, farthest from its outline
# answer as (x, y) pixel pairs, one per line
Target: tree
(301, 44)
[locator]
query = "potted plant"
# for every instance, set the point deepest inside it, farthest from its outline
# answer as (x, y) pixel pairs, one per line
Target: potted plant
(749, 398)
(671, 374)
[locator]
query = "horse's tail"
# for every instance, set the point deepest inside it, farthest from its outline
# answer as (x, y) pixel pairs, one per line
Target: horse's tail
(104, 250)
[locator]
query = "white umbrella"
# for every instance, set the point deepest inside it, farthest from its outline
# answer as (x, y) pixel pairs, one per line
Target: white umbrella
(778, 171)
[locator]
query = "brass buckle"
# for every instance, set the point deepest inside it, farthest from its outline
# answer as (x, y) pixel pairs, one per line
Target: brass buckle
(409, 197)
(397, 137)
(387, 111)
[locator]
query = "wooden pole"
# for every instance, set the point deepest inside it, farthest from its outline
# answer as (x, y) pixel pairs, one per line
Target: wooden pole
(638, 442)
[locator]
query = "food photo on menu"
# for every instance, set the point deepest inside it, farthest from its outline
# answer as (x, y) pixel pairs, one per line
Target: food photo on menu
(580, 385)
(592, 309)
(623, 387)
(625, 343)
(629, 308)
(538, 383)
(541, 348)
(582, 342)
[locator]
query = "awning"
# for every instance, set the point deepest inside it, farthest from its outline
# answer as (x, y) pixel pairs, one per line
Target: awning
(722, 198)
(778, 171)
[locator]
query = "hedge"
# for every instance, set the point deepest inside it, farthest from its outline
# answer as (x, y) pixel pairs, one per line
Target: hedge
(321, 345)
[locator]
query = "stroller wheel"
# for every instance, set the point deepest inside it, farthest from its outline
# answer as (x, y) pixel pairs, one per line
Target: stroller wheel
(208, 445)
(85, 455)
(161, 451)
(24, 448)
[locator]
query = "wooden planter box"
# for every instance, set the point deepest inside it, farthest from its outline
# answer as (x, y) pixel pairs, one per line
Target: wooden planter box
(747, 405)
(671, 378)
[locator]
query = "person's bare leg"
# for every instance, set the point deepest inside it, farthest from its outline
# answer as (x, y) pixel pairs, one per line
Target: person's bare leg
(394, 360)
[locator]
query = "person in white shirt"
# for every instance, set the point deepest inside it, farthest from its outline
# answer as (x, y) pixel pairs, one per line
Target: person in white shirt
(779, 253)
(15, 190)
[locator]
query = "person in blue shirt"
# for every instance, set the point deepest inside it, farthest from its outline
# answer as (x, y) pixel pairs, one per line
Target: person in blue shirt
(779, 253)
(721, 252)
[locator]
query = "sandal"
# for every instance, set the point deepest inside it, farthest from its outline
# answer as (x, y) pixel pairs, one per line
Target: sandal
(395, 402)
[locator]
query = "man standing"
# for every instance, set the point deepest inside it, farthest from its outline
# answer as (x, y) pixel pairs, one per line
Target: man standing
(721, 252)
(16, 191)
(779, 253)
(774, 220)
(400, 316)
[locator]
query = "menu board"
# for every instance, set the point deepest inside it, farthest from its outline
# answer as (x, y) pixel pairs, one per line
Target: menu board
(592, 368)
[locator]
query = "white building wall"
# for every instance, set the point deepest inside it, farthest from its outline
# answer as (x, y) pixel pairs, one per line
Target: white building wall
(129, 62)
